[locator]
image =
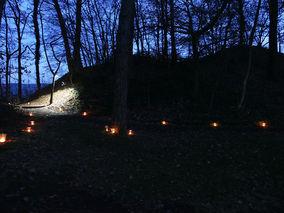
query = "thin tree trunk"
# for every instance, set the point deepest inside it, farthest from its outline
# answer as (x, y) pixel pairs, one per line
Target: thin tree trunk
(77, 46)
(19, 62)
(273, 17)
(245, 82)
(2, 6)
(122, 63)
(64, 35)
(241, 21)
(7, 58)
(227, 28)
(173, 38)
(37, 37)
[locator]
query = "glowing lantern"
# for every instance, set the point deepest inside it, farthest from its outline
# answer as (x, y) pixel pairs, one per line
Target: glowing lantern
(130, 132)
(3, 137)
(32, 123)
(28, 129)
(31, 114)
(106, 128)
(165, 123)
(84, 113)
(113, 130)
(215, 124)
(262, 124)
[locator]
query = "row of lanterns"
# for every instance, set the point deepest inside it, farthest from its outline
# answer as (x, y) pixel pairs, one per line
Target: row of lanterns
(3, 136)
(113, 130)
(262, 124)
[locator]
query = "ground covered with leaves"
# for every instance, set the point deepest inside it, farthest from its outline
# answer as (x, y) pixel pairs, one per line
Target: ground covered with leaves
(68, 164)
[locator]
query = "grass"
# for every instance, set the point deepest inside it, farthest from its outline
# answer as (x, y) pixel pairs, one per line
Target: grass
(69, 163)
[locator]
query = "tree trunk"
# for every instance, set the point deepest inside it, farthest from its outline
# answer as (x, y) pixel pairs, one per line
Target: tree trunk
(122, 59)
(173, 38)
(77, 46)
(164, 21)
(37, 37)
(2, 6)
(273, 17)
(64, 35)
(52, 89)
(241, 21)
(7, 58)
(245, 82)
(19, 62)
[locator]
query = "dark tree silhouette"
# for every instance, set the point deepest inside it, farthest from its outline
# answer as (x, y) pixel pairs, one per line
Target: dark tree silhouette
(2, 6)
(73, 61)
(273, 17)
(122, 58)
(37, 37)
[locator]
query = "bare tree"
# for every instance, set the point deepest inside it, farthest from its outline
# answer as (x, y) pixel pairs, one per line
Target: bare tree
(73, 61)
(53, 72)
(273, 17)
(20, 20)
(245, 82)
(122, 58)
(2, 6)
(37, 37)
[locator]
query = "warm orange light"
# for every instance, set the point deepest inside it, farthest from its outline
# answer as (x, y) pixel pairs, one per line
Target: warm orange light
(215, 124)
(32, 123)
(107, 128)
(262, 124)
(164, 123)
(84, 113)
(28, 129)
(3, 137)
(31, 114)
(29, 103)
(130, 132)
(114, 130)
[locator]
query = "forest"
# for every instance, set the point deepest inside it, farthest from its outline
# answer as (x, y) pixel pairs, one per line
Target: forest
(141, 105)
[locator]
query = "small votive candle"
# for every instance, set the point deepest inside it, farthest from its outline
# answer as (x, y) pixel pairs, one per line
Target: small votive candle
(32, 123)
(215, 124)
(164, 123)
(3, 137)
(113, 131)
(29, 129)
(107, 128)
(262, 124)
(84, 113)
(31, 114)
(130, 132)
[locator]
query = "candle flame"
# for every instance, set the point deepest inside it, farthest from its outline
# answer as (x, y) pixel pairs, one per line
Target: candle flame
(130, 132)
(32, 123)
(106, 128)
(29, 129)
(164, 123)
(262, 124)
(215, 124)
(3, 138)
(84, 113)
(114, 130)
(31, 114)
